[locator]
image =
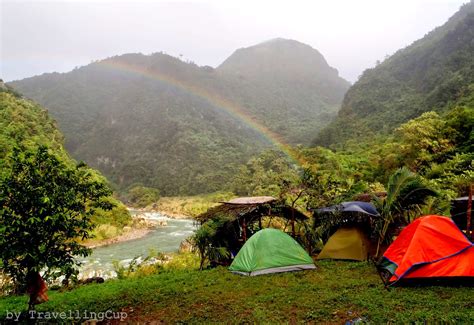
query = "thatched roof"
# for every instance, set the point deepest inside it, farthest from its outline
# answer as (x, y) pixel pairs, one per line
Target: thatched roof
(251, 200)
(251, 209)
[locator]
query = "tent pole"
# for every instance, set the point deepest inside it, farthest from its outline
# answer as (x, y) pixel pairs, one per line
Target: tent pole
(468, 215)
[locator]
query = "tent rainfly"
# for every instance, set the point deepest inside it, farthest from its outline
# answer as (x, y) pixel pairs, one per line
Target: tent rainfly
(431, 250)
(352, 206)
(270, 251)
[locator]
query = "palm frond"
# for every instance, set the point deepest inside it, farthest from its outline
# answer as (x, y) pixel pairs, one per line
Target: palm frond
(406, 193)
(397, 183)
(406, 190)
(416, 197)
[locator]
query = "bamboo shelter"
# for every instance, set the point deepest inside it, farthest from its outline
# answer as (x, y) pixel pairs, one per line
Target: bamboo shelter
(230, 224)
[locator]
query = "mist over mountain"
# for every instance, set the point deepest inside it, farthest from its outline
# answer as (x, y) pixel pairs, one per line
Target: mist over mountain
(433, 74)
(287, 85)
(182, 128)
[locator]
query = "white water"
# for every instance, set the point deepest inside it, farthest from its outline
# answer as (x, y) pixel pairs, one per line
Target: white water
(164, 239)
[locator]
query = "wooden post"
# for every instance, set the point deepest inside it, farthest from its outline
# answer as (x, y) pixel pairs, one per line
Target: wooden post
(293, 221)
(244, 229)
(468, 213)
(270, 217)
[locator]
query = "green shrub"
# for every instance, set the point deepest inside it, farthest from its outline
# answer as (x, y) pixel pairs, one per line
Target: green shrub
(106, 231)
(141, 196)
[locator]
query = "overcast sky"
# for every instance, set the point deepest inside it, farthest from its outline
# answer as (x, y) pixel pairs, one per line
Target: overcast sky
(47, 36)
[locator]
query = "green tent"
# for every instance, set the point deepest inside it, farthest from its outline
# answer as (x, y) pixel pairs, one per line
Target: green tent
(270, 251)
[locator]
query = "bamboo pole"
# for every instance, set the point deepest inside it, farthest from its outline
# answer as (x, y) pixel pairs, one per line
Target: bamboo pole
(293, 222)
(244, 228)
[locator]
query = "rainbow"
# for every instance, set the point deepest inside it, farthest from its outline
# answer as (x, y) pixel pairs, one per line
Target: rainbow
(214, 99)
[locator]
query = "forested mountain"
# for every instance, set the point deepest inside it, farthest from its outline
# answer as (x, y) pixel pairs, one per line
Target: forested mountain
(182, 128)
(26, 126)
(435, 73)
(288, 85)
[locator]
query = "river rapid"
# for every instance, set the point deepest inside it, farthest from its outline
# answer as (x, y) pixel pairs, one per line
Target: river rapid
(165, 239)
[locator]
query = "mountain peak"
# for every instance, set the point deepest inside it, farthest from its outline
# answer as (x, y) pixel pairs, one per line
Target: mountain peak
(281, 40)
(277, 50)
(280, 58)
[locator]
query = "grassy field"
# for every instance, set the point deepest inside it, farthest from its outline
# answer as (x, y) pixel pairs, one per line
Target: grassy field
(334, 293)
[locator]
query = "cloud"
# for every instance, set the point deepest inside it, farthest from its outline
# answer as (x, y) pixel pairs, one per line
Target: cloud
(57, 35)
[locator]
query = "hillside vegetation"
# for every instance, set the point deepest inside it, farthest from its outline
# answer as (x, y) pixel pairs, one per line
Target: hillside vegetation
(287, 85)
(184, 129)
(435, 73)
(26, 125)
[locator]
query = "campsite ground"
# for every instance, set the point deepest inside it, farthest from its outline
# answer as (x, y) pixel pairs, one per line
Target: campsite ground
(336, 292)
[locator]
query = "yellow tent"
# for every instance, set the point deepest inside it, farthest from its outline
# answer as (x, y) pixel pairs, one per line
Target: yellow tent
(346, 244)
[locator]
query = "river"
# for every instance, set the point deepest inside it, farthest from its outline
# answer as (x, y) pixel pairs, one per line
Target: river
(164, 239)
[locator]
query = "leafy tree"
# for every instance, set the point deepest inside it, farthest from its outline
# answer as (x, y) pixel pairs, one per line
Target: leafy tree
(424, 139)
(462, 120)
(270, 173)
(333, 177)
(45, 207)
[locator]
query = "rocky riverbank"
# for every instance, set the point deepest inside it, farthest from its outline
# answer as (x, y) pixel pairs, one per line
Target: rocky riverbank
(153, 209)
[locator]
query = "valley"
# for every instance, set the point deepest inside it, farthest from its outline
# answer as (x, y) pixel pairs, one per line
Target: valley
(265, 188)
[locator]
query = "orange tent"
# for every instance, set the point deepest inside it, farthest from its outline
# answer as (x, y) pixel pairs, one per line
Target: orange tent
(431, 247)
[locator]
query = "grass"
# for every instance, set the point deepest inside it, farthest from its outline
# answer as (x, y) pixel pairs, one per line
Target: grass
(336, 292)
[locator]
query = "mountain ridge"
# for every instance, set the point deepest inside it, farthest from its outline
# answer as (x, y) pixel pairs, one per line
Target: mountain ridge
(179, 127)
